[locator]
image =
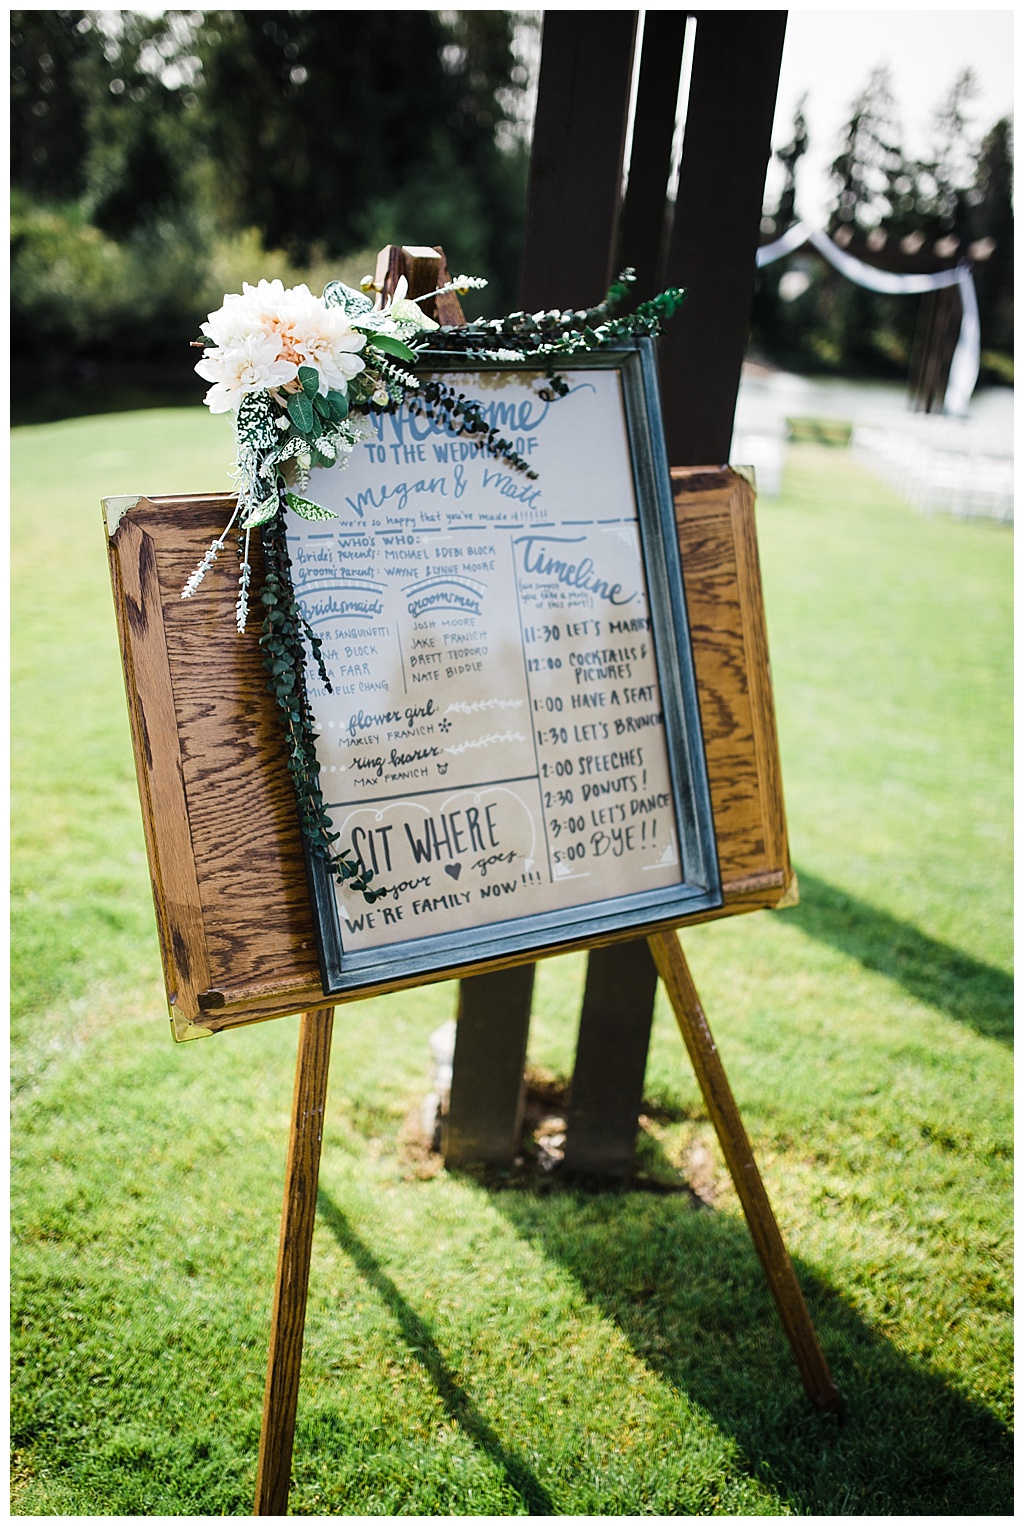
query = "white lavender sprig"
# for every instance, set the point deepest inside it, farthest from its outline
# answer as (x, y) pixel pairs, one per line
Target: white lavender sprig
(208, 560)
(460, 284)
(242, 603)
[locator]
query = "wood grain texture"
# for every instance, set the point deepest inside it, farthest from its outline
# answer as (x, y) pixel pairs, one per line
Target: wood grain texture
(288, 1318)
(424, 270)
(202, 716)
(725, 1115)
(715, 520)
(159, 768)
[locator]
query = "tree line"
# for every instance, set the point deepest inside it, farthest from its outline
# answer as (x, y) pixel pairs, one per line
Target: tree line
(156, 163)
(899, 212)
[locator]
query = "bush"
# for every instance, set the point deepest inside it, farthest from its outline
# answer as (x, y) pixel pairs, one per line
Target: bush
(77, 292)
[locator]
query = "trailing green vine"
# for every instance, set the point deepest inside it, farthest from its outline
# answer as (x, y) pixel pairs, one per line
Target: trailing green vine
(284, 658)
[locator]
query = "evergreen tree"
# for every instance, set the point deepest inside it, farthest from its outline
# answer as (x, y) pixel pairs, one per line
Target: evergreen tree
(157, 158)
(789, 157)
(870, 158)
(347, 129)
(48, 110)
(937, 206)
(778, 315)
(990, 225)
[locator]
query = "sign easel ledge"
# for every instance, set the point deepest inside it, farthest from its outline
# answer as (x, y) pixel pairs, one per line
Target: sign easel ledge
(229, 885)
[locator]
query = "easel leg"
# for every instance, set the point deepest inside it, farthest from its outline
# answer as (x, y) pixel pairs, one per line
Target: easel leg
(293, 1257)
(725, 1115)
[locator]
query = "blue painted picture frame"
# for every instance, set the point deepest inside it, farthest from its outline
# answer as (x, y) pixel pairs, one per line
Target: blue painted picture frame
(405, 959)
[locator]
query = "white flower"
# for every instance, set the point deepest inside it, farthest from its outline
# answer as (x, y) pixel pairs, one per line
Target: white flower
(283, 312)
(232, 323)
(264, 334)
(323, 337)
(253, 364)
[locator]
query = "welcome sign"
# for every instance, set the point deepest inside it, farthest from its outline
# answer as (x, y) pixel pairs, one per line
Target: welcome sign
(511, 739)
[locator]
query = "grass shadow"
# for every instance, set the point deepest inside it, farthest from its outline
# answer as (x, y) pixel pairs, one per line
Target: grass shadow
(417, 1336)
(966, 989)
(685, 1287)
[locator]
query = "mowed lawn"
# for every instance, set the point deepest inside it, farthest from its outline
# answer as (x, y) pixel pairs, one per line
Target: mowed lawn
(504, 1346)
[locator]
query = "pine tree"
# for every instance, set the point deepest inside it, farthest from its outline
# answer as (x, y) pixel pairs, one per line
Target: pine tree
(346, 129)
(990, 226)
(789, 157)
(870, 158)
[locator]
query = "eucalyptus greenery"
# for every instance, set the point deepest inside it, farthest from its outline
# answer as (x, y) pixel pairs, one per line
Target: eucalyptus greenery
(284, 658)
(284, 431)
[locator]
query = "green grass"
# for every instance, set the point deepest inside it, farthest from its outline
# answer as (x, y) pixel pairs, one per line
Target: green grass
(487, 1346)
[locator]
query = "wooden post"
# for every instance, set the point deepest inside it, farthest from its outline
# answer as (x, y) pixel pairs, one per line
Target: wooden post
(571, 218)
(645, 209)
(288, 1319)
(579, 135)
(938, 324)
(713, 247)
(611, 1057)
(712, 250)
(485, 1110)
(725, 1115)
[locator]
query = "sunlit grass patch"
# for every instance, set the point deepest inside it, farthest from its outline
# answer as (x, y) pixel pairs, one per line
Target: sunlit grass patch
(500, 1345)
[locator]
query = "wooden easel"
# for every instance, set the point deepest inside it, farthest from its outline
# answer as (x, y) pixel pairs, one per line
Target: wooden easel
(233, 916)
(299, 1213)
(309, 1102)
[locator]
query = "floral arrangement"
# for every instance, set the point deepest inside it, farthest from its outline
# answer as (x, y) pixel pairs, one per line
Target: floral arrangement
(302, 375)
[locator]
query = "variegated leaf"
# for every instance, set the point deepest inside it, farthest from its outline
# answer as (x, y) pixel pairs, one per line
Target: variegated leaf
(337, 294)
(308, 509)
(262, 514)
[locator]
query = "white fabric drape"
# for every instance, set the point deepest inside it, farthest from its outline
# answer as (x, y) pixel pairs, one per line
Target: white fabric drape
(966, 362)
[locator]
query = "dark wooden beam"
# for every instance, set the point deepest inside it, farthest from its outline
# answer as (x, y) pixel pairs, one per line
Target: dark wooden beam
(611, 1057)
(618, 1002)
(715, 232)
(579, 135)
(572, 216)
(485, 1112)
(642, 227)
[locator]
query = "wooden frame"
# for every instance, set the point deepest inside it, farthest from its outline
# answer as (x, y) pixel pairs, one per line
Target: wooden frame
(630, 369)
(236, 932)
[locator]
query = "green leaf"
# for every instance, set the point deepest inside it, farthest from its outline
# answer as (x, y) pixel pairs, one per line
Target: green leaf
(355, 303)
(339, 406)
(309, 376)
(322, 406)
(390, 346)
(262, 514)
(307, 509)
(300, 411)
